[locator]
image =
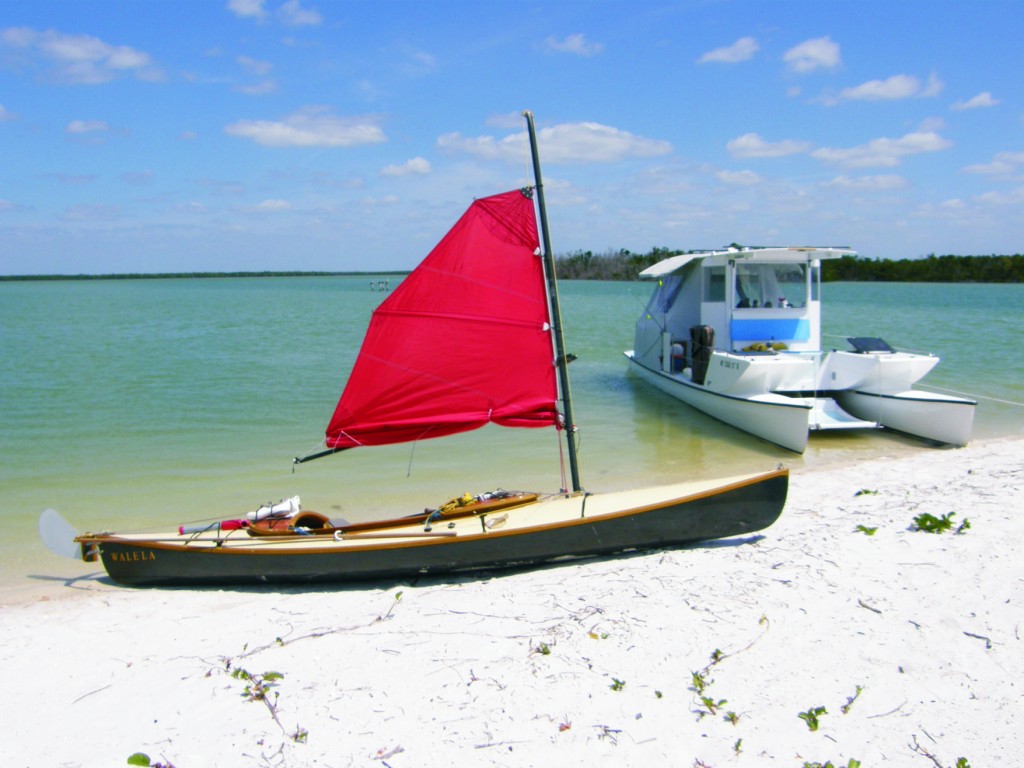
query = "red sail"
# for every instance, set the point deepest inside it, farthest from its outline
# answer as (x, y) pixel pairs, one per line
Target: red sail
(464, 340)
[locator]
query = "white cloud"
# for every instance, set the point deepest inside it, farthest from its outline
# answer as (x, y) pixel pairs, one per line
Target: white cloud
(510, 120)
(92, 212)
(254, 66)
(310, 127)
(1003, 164)
(294, 15)
(258, 89)
(414, 62)
(137, 178)
(932, 124)
(895, 87)
(18, 37)
(565, 143)
(272, 206)
(868, 183)
(983, 99)
(422, 60)
(247, 8)
(80, 59)
(933, 87)
(891, 89)
(818, 53)
(86, 126)
(883, 153)
(482, 146)
(379, 201)
(739, 178)
(752, 145)
(1013, 197)
(416, 166)
(742, 50)
(593, 142)
(576, 44)
(6, 114)
(79, 178)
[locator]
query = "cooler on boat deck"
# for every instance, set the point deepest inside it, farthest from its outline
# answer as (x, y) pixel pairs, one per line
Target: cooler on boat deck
(678, 356)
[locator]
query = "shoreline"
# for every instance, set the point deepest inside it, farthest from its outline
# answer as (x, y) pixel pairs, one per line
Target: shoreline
(910, 641)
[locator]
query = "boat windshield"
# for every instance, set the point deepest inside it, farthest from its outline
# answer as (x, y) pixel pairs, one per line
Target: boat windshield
(771, 285)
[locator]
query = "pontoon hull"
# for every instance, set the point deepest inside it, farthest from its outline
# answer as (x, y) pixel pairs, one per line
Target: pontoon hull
(776, 418)
(939, 418)
(552, 529)
(787, 419)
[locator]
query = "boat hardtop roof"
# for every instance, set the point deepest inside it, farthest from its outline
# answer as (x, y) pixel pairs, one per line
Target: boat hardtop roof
(795, 253)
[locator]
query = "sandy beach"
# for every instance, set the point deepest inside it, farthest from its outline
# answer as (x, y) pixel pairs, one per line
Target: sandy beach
(843, 633)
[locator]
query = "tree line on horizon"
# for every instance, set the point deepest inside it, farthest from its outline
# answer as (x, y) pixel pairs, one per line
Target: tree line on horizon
(626, 265)
(204, 275)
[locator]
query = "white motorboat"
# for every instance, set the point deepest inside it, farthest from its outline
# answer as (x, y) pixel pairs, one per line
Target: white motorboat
(737, 334)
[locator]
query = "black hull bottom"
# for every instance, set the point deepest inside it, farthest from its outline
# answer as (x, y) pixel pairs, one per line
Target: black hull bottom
(731, 511)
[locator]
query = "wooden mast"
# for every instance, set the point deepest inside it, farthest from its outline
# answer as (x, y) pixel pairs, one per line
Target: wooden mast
(556, 315)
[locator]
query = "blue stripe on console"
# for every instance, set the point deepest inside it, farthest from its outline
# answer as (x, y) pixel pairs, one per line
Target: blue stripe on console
(771, 330)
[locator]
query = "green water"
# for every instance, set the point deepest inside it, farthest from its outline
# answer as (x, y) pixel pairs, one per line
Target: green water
(129, 403)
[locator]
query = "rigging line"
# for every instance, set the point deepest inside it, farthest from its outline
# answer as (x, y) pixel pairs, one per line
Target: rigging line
(568, 379)
(412, 454)
(424, 435)
(572, 430)
(527, 160)
(925, 385)
(561, 460)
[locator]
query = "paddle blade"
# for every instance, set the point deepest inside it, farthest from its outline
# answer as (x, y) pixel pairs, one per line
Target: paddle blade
(58, 535)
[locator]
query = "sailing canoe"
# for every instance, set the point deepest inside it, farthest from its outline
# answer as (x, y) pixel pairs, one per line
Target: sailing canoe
(486, 284)
(552, 528)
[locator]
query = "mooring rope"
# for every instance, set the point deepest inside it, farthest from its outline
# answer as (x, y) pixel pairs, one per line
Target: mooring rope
(970, 394)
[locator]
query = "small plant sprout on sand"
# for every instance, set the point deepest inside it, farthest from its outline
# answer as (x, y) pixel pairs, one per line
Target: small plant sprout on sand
(257, 688)
(850, 699)
(811, 717)
(931, 524)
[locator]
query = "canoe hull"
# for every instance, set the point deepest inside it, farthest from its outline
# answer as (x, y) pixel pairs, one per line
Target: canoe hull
(554, 529)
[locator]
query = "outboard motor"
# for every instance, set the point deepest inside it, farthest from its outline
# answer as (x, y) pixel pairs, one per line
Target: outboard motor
(702, 341)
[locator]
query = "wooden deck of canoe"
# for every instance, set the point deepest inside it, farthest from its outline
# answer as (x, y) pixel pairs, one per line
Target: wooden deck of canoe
(320, 525)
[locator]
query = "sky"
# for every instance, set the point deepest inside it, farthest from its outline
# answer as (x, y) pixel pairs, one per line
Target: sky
(142, 136)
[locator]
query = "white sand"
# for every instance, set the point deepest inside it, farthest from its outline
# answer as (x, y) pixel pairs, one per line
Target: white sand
(520, 669)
